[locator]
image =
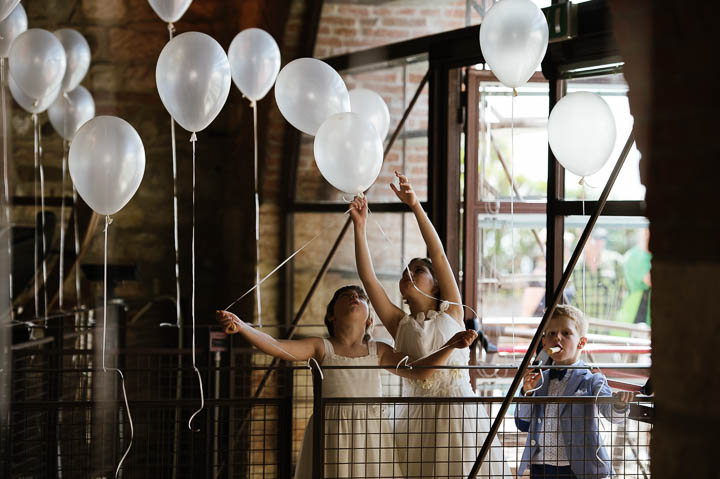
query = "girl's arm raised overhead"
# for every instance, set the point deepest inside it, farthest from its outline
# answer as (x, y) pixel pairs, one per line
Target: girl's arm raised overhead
(387, 356)
(289, 349)
(389, 314)
(449, 290)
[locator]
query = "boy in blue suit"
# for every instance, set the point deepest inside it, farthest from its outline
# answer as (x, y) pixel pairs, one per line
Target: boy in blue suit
(563, 438)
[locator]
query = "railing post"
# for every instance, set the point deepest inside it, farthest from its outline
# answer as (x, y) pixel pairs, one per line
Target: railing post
(286, 417)
(318, 462)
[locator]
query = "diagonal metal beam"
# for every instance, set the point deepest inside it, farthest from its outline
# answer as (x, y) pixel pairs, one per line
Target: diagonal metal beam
(550, 309)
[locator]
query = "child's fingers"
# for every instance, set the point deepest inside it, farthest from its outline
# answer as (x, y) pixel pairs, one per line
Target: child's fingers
(394, 188)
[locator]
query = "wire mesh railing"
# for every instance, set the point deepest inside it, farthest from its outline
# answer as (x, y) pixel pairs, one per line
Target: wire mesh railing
(66, 417)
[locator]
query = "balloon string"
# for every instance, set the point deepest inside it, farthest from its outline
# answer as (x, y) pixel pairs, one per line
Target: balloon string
(584, 299)
(273, 271)
(178, 319)
(178, 316)
(42, 223)
(106, 369)
(77, 248)
(317, 365)
(193, 140)
(62, 223)
(512, 212)
(253, 105)
(35, 182)
(6, 182)
(406, 266)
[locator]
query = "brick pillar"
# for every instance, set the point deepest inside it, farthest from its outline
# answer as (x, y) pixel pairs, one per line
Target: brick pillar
(670, 49)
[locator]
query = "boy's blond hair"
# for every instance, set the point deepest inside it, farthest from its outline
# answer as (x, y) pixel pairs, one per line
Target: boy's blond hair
(567, 311)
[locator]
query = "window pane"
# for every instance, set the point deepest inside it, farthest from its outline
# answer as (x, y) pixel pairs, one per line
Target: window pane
(512, 140)
(611, 282)
(613, 90)
(396, 83)
(510, 277)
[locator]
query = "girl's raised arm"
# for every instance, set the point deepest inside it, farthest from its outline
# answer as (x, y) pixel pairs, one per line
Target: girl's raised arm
(289, 349)
(389, 314)
(449, 290)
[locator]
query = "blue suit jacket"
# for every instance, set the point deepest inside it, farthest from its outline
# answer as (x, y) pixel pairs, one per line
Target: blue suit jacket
(577, 424)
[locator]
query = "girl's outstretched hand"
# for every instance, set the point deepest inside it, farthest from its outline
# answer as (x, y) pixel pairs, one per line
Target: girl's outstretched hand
(404, 192)
(462, 340)
(230, 322)
(359, 210)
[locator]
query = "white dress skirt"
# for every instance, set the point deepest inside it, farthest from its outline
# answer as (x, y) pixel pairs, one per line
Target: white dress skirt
(441, 440)
(358, 437)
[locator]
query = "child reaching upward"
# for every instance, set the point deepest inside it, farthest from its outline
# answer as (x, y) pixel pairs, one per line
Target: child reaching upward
(563, 439)
(432, 441)
(357, 439)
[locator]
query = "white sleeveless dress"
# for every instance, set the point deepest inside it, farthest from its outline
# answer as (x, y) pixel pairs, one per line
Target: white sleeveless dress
(441, 441)
(358, 439)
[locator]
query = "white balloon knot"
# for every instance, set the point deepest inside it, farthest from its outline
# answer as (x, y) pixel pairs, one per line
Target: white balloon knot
(361, 195)
(582, 181)
(193, 137)
(515, 92)
(171, 27)
(35, 103)
(253, 103)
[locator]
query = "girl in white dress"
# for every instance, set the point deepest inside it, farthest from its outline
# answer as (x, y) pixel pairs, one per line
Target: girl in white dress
(432, 441)
(358, 440)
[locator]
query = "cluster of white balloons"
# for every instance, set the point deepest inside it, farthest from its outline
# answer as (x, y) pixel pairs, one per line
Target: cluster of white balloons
(46, 70)
(106, 158)
(193, 73)
(581, 127)
(349, 127)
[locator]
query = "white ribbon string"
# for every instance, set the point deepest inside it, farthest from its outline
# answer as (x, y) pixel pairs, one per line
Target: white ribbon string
(273, 271)
(35, 242)
(193, 140)
(512, 211)
(6, 181)
(322, 376)
(253, 105)
(77, 249)
(42, 222)
(178, 318)
(106, 369)
(61, 272)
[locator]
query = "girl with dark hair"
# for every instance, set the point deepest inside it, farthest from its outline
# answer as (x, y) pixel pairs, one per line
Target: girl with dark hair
(354, 444)
(432, 441)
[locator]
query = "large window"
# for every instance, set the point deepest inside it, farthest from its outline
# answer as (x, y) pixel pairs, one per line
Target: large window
(510, 205)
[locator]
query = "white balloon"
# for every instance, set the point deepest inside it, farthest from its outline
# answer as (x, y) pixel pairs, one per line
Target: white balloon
(10, 28)
(6, 7)
(372, 107)
(581, 132)
(70, 111)
(37, 62)
(193, 79)
(170, 11)
(348, 152)
(308, 91)
(254, 61)
(107, 163)
(32, 105)
(77, 51)
(513, 39)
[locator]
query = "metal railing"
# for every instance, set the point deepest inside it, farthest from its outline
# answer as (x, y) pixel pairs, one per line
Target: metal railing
(413, 437)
